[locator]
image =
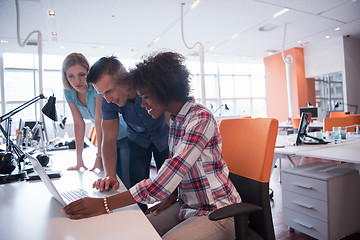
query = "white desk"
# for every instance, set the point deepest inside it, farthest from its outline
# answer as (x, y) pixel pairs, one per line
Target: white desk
(345, 151)
(27, 210)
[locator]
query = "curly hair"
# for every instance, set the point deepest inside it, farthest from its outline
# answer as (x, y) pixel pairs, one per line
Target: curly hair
(71, 60)
(163, 74)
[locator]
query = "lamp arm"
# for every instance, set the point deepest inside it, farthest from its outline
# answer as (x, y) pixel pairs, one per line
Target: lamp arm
(15, 148)
(218, 108)
(21, 107)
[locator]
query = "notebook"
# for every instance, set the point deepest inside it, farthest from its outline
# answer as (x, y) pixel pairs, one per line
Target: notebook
(63, 198)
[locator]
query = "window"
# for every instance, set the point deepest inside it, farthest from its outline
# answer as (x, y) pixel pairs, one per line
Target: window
(329, 91)
(232, 89)
(21, 83)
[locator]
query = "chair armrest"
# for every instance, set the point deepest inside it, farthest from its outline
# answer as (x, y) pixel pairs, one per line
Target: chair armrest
(233, 210)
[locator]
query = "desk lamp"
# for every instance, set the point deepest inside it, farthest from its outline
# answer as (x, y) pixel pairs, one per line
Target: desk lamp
(7, 165)
(337, 105)
(222, 105)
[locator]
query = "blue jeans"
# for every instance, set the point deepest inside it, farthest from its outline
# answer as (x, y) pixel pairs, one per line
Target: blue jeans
(139, 163)
(122, 166)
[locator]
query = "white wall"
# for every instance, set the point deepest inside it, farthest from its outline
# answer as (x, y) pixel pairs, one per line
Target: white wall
(340, 54)
(352, 71)
(325, 57)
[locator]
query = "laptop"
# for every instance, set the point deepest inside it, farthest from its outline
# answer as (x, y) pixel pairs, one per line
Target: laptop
(302, 136)
(63, 198)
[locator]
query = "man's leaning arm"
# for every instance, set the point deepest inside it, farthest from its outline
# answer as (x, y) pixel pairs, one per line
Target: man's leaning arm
(110, 133)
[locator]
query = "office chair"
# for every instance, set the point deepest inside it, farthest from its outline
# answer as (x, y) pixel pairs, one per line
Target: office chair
(295, 120)
(346, 121)
(337, 114)
(248, 150)
(331, 122)
(92, 135)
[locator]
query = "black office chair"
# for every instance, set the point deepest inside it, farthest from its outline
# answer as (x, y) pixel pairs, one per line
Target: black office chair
(248, 150)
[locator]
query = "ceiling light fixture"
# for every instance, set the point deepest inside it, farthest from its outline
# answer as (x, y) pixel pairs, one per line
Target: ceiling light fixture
(281, 12)
(299, 41)
(337, 29)
(327, 36)
(51, 13)
(304, 44)
(4, 41)
(195, 4)
(235, 36)
(271, 51)
(267, 28)
(156, 39)
(54, 34)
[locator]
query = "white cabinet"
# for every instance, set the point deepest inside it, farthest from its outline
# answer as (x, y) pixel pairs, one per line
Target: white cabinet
(321, 200)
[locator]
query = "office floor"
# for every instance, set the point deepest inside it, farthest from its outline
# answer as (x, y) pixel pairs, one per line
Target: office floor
(281, 231)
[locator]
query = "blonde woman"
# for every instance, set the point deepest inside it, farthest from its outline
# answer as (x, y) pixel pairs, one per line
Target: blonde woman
(84, 103)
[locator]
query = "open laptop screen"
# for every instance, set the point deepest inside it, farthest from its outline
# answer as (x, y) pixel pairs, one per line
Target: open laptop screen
(302, 127)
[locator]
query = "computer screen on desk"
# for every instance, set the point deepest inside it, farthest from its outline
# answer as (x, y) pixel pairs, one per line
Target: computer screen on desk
(302, 136)
(312, 110)
(302, 127)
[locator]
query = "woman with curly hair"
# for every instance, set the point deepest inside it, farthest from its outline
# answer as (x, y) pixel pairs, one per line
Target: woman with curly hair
(194, 180)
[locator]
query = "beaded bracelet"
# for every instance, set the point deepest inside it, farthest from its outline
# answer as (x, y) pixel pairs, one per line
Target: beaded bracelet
(106, 205)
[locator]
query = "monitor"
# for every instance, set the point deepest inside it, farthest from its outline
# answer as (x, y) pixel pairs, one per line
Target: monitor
(35, 128)
(312, 110)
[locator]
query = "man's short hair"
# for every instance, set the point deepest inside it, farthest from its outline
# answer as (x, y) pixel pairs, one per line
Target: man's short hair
(107, 65)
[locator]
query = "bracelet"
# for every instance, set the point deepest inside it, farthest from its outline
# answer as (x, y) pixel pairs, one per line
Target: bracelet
(106, 205)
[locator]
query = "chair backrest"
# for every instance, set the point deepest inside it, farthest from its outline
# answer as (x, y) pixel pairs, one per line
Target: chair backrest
(345, 121)
(295, 122)
(248, 150)
(337, 114)
(92, 135)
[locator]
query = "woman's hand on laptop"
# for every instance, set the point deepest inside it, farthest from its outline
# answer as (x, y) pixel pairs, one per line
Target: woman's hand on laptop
(84, 208)
(107, 183)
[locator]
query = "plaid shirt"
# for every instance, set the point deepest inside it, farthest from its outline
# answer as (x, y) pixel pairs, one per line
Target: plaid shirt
(196, 166)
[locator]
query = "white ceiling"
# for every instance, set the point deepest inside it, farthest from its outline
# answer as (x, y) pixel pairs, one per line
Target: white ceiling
(127, 28)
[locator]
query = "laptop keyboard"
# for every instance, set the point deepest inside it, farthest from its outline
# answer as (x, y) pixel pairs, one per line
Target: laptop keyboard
(73, 195)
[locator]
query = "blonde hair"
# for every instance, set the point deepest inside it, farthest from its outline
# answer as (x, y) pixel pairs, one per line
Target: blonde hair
(71, 60)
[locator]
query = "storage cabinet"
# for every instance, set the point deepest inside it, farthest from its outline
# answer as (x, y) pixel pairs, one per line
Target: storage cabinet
(321, 200)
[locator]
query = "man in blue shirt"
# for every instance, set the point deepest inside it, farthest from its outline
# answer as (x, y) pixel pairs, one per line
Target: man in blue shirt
(147, 136)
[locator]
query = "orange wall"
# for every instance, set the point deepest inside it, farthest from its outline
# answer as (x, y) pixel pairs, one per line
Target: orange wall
(311, 90)
(276, 86)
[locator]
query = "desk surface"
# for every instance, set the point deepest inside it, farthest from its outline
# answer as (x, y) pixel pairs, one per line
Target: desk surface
(346, 150)
(27, 210)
